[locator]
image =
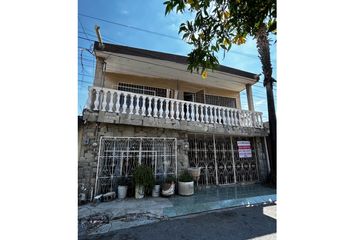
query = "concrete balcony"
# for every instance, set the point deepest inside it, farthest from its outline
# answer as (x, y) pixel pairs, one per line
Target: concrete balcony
(120, 107)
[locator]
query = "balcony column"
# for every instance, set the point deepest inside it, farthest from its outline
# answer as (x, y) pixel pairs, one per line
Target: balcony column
(249, 97)
(99, 72)
(238, 101)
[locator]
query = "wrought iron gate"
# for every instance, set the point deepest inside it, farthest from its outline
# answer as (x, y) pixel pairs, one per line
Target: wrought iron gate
(219, 159)
(118, 157)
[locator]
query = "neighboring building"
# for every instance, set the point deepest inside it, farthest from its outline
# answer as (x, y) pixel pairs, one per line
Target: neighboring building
(146, 108)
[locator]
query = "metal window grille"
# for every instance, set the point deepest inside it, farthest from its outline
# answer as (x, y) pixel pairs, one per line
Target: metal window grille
(218, 157)
(220, 101)
(118, 157)
(140, 89)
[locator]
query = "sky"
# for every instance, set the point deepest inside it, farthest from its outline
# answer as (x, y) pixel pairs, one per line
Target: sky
(143, 24)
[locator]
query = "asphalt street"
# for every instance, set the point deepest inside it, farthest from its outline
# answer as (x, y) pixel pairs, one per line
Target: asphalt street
(257, 222)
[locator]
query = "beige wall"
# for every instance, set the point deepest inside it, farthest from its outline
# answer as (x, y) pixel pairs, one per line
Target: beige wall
(113, 79)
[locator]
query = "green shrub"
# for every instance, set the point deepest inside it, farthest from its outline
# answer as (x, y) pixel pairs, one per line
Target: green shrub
(143, 175)
(185, 177)
(123, 181)
(169, 179)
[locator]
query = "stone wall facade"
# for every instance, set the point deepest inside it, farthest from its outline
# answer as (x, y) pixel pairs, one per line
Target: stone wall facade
(91, 132)
(173, 124)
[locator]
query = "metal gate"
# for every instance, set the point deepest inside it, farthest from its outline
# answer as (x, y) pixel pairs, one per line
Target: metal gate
(219, 159)
(118, 157)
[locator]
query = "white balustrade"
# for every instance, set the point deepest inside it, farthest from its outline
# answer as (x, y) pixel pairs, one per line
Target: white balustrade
(89, 100)
(196, 112)
(211, 114)
(192, 112)
(182, 110)
(201, 113)
(104, 99)
(234, 123)
(97, 102)
(172, 112)
(161, 108)
(167, 101)
(124, 103)
(215, 114)
(227, 118)
(177, 110)
(187, 111)
(110, 105)
(155, 107)
(131, 98)
(143, 109)
(149, 106)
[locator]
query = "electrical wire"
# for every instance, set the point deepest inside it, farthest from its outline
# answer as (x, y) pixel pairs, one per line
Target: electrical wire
(156, 33)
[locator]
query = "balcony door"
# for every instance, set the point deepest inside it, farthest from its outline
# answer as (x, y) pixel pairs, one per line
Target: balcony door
(189, 96)
(200, 96)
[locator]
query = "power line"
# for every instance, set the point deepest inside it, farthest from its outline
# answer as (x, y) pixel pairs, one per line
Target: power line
(83, 28)
(128, 26)
(156, 33)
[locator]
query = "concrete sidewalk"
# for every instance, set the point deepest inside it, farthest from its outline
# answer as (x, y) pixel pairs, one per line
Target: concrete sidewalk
(120, 214)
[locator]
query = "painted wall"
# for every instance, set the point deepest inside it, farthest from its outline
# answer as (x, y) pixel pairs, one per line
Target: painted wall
(112, 80)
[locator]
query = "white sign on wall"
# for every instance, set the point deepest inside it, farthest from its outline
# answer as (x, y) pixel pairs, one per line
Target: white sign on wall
(244, 149)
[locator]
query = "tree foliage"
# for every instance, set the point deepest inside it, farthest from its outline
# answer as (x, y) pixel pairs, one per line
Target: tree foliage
(219, 24)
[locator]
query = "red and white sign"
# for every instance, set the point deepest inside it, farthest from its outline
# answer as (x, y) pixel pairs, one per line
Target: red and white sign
(244, 149)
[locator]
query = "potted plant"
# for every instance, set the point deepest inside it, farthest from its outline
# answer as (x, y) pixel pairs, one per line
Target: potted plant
(157, 187)
(185, 184)
(122, 187)
(168, 187)
(143, 179)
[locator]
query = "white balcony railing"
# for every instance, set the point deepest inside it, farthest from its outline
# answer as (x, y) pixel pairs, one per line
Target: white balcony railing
(121, 102)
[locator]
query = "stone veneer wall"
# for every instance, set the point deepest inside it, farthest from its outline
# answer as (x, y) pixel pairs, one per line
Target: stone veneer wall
(91, 133)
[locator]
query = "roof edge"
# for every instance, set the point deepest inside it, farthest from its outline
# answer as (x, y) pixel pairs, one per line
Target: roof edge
(139, 52)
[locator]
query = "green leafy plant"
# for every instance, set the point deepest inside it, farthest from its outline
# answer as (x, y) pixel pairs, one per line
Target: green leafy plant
(123, 181)
(143, 176)
(159, 180)
(170, 179)
(185, 177)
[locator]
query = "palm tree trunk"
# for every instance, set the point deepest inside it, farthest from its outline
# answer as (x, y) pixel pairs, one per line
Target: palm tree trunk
(264, 55)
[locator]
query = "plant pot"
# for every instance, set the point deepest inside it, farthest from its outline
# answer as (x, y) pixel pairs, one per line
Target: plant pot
(139, 191)
(122, 191)
(186, 188)
(156, 191)
(168, 189)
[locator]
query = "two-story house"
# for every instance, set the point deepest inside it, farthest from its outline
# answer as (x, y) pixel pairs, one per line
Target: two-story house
(145, 107)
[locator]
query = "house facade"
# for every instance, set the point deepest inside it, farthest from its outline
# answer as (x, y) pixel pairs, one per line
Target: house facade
(145, 108)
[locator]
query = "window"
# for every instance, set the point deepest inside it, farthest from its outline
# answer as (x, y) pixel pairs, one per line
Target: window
(140, 89)
(220, 101)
